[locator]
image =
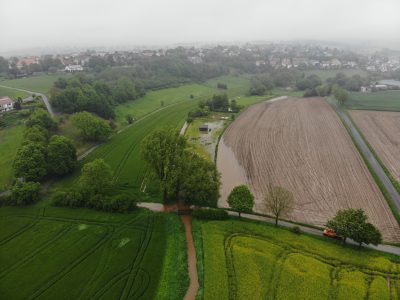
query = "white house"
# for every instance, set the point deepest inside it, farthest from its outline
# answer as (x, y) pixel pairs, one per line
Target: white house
(73, 68)
(6, 104)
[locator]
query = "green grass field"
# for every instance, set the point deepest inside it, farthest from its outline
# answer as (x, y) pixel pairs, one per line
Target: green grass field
(152, 100)
(385, 100)
(57, 253)
(248, 260)
(10, 140)
(40, 84)
(13, 94)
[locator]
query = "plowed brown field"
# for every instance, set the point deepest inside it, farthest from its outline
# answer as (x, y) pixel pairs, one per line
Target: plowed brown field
(301, 144)
(382, 130)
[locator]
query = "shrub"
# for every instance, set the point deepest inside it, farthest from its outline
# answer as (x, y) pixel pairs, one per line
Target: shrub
(296, 230)
(210, 214)
(24, 193)
(123, 203)
(58, 199)
(6, 200)
(96, 202)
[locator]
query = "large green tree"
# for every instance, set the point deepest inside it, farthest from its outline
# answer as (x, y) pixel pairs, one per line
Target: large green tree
(96, 178)
(352, 223)
(30, 162)
(61, 157)
(92, 128)
(36, 134)
(163, 151)
(41, 117)
(199, 181)
(241, 199)
(340, 94)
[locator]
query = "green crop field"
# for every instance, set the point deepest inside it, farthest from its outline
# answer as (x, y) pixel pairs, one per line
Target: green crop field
(57, 253)
(40, 84)
(248, 260)
(10, 140)
(385, 100)
(122, 151)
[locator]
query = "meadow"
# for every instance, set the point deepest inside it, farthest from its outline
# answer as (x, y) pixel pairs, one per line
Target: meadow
(40, 83)
(384, 100)
(57, 253)
(154, 100)
(250, 260)
(12, 94)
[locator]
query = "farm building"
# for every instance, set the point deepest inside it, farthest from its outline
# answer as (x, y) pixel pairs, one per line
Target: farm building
(204, 128)
(6, 104)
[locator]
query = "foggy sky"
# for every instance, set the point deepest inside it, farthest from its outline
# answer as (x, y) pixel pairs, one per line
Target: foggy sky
(90, 23)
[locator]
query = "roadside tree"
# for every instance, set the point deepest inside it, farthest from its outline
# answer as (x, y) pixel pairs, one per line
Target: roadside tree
(352, 223)
(163, 151)
(279, 202)
(241, 199)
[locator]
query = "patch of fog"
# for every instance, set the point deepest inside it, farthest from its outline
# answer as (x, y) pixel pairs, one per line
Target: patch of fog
(82, 226)
(232, 173)
(208, 139)
(123, 242)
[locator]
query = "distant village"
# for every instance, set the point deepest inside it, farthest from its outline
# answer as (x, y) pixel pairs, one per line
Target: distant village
(278, 56)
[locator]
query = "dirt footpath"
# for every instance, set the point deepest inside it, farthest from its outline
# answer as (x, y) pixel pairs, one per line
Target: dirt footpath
(191, 252)
(301, 145)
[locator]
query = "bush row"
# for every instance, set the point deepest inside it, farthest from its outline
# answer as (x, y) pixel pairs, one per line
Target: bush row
(22, 193)
(119, 203)
(210, 214)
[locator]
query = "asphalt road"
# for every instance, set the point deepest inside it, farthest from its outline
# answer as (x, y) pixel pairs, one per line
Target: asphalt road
(44, 97)
(371, 158)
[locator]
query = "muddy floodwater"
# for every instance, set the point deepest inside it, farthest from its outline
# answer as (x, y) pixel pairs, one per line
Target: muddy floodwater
(233, 174)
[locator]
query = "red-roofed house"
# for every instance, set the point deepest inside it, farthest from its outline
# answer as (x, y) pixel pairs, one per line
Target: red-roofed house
(6, 104)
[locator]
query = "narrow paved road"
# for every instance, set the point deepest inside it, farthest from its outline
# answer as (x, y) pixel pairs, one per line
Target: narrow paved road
(384, 248)
(314, 231)
(44, 97)
(371, 158)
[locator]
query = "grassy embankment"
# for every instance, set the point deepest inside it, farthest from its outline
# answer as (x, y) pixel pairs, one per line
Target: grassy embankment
(62, 253)
(250, 260)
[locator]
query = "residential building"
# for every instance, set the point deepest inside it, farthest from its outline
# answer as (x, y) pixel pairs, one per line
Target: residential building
(6, 104)
(73, 68)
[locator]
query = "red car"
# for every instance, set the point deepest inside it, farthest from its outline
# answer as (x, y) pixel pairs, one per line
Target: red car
(328, 232)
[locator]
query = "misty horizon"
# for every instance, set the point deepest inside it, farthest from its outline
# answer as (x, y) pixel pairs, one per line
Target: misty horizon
(118, 24)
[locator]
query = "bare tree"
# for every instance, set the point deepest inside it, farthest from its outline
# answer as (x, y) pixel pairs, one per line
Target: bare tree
(279, 202)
